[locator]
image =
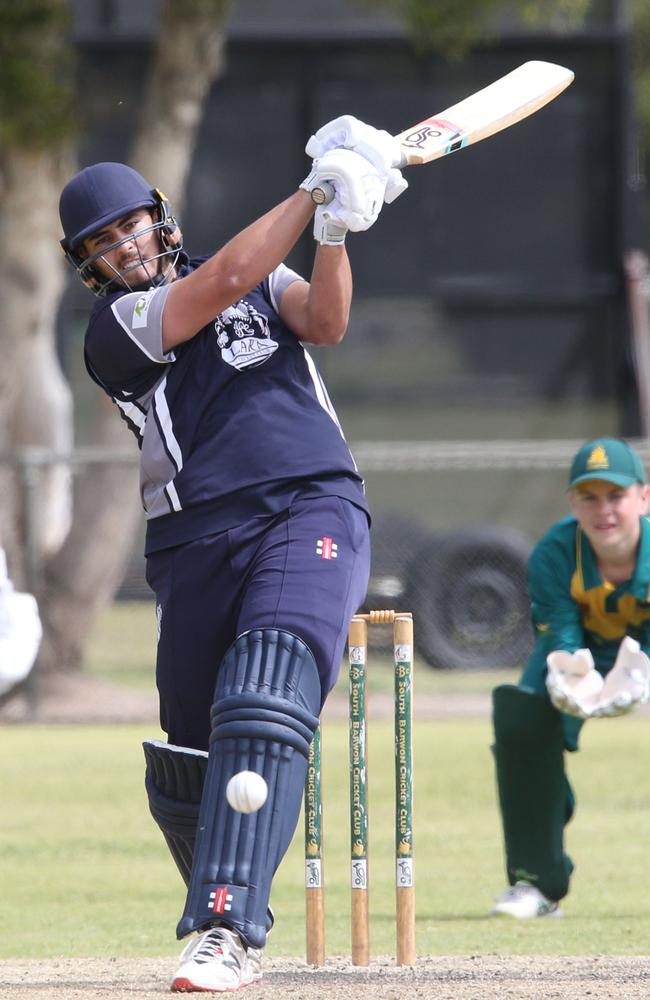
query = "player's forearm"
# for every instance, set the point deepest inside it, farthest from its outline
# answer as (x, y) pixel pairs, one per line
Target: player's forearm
(330, 296)
(240, 265)
(248, 257)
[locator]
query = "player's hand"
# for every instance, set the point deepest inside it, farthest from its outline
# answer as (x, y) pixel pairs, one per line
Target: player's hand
(573, 683)
(348, 132)
(359, 194)
(375, 145)
(626, 684)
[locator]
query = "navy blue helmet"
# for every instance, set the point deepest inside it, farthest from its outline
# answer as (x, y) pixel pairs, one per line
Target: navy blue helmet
(101, 194)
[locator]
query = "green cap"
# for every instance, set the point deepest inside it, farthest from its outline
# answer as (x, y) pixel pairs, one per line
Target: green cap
(610, 459)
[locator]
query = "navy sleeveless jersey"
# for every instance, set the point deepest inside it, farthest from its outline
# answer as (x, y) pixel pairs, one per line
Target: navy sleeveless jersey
(232, 424)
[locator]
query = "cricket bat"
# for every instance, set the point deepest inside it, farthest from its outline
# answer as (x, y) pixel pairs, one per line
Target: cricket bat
(503, 103)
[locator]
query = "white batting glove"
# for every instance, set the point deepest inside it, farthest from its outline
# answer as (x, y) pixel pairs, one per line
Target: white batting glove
(332, 222)
(376, 145)
(626, 684)
(395, 186)
(359, 193)
(573, 683)
(328, 230)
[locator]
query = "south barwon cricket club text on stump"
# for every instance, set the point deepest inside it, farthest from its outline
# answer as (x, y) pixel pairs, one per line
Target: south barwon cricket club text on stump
(402, 623)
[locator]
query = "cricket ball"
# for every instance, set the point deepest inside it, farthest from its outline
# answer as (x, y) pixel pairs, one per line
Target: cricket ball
(247, 791)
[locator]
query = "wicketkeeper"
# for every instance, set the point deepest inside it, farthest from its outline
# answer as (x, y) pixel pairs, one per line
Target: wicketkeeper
(589, 580)
(257, 523)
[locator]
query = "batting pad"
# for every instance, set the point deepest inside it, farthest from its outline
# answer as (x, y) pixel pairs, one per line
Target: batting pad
(174, 778)
(535, 796)
(264, 716)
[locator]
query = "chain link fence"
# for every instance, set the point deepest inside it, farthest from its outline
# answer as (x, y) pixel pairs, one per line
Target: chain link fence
(453, 525)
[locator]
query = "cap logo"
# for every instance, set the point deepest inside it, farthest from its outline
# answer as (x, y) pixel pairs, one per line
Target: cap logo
(598, 458)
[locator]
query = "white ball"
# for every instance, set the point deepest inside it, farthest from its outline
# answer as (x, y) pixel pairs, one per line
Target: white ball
(246, 791)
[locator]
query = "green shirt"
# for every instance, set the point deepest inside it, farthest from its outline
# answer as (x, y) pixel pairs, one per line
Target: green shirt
(573, 607)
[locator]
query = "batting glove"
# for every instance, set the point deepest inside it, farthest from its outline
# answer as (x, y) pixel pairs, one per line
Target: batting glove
(359, 194)
(376, 145)
(328, 230)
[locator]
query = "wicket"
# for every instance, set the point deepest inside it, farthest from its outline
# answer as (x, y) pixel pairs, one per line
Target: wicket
(402, 623)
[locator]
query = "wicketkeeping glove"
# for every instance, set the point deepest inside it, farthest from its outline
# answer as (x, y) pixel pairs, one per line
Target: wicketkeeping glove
(626, 684)
(573, 683)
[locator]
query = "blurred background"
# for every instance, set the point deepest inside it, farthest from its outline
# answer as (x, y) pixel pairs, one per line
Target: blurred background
(501, 306)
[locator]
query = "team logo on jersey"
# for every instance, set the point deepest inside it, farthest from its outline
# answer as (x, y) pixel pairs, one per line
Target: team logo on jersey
(327, 548)
(243, 336)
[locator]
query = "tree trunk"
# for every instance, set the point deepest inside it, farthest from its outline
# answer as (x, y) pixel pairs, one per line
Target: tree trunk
(188, 58)
(82, 578)
(35, 401)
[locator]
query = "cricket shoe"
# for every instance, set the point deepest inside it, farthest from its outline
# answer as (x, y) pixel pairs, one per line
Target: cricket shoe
(217, 961)
(524, 901)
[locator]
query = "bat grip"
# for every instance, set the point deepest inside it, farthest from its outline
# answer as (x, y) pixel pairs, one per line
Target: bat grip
(323, 194)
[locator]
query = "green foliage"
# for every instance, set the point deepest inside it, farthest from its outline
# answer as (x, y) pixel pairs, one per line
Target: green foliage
(641, 57)
(641, 43)
(440, 28)
(36, 89)
(560, 13)
(451, 27)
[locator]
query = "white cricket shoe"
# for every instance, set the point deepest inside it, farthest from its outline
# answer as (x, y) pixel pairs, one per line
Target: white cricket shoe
(217, 962)
(524, 901)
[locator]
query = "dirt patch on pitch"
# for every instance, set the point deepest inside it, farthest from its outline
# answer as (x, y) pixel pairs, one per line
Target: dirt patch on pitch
(80, 698)
(440, 978)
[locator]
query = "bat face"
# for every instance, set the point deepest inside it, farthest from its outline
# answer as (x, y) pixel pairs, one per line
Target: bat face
(504, 102)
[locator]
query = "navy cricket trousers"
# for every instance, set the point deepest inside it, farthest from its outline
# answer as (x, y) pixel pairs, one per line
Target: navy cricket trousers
(305, 571)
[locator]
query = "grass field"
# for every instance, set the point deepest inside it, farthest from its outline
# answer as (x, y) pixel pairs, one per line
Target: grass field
(84, 871)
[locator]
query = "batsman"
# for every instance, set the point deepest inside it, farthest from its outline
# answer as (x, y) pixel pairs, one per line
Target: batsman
(589, 582)
(257, 541)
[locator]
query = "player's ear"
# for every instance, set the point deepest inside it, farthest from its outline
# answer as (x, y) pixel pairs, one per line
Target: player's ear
(644, 498)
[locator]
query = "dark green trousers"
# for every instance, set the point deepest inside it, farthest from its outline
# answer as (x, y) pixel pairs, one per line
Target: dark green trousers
(535, 797)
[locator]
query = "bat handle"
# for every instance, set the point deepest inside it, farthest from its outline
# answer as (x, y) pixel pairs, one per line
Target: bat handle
(323, 194)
